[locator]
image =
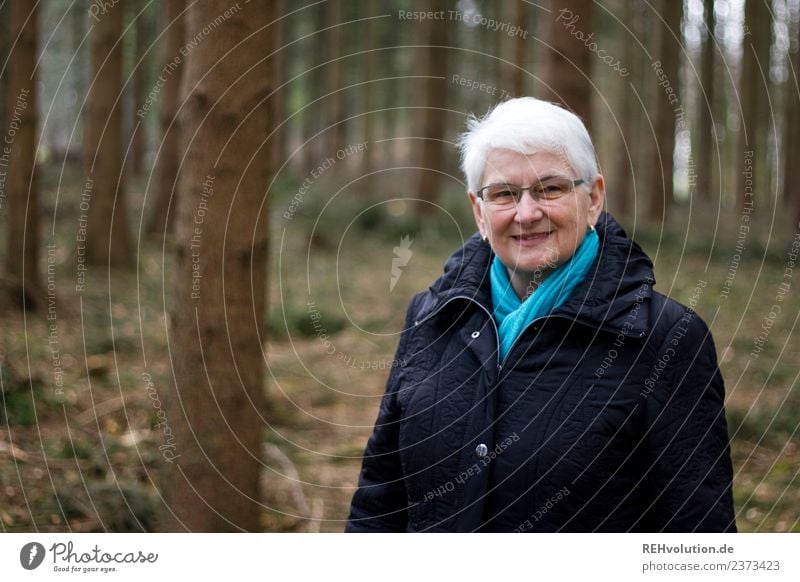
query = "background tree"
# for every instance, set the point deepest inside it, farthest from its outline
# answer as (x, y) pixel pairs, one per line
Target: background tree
(666, 105)
(566, 65)
(219, 287)
(791, 149)
(107, 238)
(706, 142)
(334, 51)
(167, 162)
(19, 156)
(432, 116)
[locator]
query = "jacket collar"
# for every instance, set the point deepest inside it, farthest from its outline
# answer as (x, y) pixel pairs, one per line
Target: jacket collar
(620, 278)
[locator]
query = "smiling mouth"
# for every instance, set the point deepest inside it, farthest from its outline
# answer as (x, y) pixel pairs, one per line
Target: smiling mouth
(532, 237)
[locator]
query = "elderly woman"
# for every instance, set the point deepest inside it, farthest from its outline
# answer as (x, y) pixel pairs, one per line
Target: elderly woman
(547, 386)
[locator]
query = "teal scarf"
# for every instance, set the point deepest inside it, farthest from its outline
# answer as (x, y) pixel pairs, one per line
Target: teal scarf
(513, 315)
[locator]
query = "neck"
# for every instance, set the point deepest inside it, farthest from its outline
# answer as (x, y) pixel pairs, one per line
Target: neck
(525, 283)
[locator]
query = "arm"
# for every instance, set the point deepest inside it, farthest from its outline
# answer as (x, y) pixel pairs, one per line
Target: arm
(689, 472)
(380, 502)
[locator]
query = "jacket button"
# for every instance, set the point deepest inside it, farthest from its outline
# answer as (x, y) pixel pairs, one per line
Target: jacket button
(475, 334)
(481, 450)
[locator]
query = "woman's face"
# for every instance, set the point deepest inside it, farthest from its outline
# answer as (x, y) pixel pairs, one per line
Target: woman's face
(533, 237)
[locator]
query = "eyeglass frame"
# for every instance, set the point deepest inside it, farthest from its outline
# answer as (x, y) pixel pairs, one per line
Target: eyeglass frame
(573, 184)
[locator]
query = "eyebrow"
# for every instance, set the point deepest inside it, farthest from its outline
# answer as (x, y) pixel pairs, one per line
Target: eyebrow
(545, 178)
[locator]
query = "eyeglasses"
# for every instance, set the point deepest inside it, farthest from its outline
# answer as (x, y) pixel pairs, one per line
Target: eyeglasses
(505, 196)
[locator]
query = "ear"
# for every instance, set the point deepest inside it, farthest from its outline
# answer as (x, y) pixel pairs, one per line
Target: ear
(478, 212)
(597, 199)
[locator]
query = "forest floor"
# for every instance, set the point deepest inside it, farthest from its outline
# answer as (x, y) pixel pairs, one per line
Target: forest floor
(78, 447)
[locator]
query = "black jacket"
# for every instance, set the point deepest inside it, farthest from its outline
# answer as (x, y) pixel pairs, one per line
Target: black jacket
(607, 415)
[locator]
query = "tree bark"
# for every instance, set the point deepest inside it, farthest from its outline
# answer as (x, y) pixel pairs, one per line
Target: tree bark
(139, 82)
(107, 238)
(167, 162)
(211, 478)
(667, 106)
(752, 172)
(18, 158)
(566, 66)
(706, 187)
(628, 152)
(791, 151)
(435, 34)
(336, 130)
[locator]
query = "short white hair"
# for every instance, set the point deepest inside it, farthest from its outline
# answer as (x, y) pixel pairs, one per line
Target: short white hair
(526, 125)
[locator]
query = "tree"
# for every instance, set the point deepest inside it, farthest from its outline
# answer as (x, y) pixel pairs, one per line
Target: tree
(335, 132)
(141, 14)
(514, 81)
(751, 186)
(214, 408)
(706, 142)
(566, 67)
(791, 150)
(435, 38)
(18, 150)
(167, 163)
(107, 238)
(666, 106)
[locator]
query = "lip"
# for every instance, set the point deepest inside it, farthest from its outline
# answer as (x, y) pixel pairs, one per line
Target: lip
(531, 239)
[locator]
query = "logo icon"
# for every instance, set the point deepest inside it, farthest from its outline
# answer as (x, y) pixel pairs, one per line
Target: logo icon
(31, 555)
(402, 255)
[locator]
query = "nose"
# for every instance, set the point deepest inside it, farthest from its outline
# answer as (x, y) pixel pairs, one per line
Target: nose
(528, 209)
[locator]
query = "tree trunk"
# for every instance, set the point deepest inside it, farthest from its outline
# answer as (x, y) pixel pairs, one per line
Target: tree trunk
(514, 82)
(107, 239)
(432, 114)
(139, 82)
(791, 151)
(18, 150)
(751, 168)
(706, 188)
(167, 162)
(628, 151)
(667, 106)
(566, 66)
(370, 89)
(211, 478)
(277, 111)
(335, 131)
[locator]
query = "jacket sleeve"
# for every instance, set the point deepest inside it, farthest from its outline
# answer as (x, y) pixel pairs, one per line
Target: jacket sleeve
(688, 473)
(380, 502)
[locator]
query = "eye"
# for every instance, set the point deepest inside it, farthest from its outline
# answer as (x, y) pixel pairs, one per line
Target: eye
(503, 194)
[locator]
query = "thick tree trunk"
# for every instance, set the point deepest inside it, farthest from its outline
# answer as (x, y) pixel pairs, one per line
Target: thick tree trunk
(566, 68)
(514, 82)
(336, 130)
(211, 477)
(706, 188)
(751, 166)
(667, 107)
(107, 238)
(431, 160)
(167, 161)
(18, 150)
(139, 82)
(627, 156)
(791, 151)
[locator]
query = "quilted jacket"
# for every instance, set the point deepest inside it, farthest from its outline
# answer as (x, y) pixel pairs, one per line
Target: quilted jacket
(606, 415)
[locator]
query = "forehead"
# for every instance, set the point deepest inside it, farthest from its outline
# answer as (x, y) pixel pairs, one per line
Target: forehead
(514, 167)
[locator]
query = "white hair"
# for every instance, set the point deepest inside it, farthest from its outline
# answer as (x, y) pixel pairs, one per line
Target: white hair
(526, 125)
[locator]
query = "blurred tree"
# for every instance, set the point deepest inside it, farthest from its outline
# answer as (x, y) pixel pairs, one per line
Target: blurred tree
(755, 107)
(706, 188)
(791, 149)
(167, 162)
(434, 43)
(666, 106)
(219, 286)
(335, 131)
(514, 50)
(567, 63)
(277, 113)
(143, 32)
(107, 238)
(18, 150)
(369, 91)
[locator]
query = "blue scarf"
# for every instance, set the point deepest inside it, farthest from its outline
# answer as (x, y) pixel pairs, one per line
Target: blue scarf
(513, 315)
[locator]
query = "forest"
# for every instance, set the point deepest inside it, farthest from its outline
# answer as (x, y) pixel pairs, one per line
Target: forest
(214, 214)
